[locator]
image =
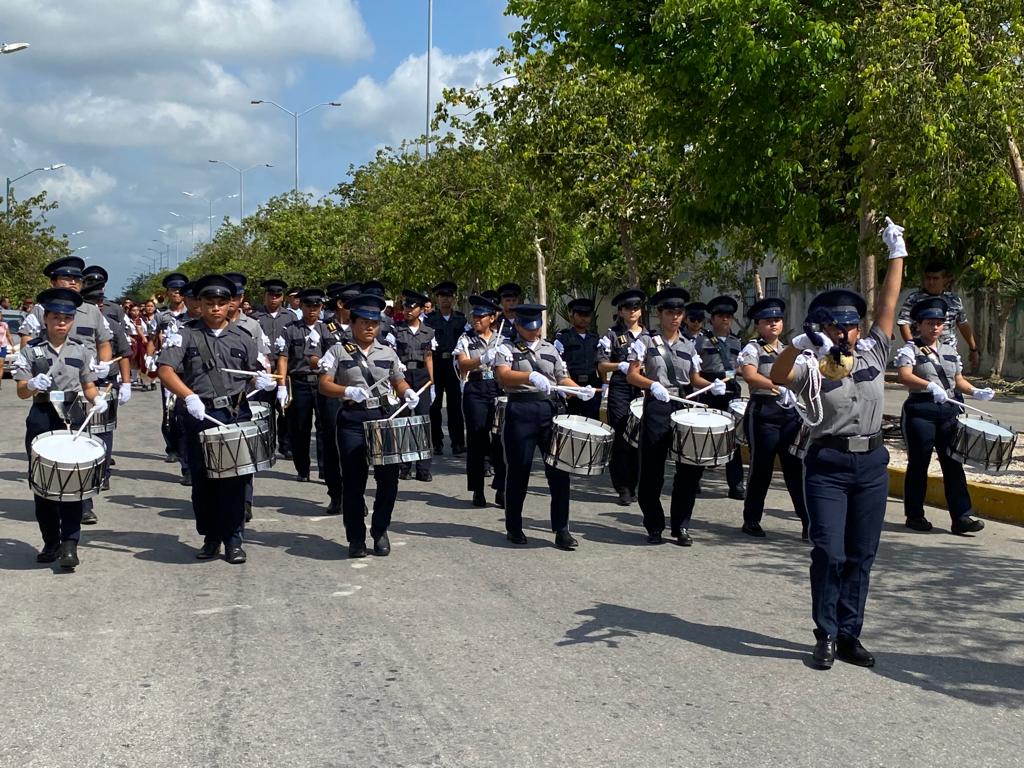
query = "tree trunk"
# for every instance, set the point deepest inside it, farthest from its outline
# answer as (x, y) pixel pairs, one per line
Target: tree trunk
(866, 255)
(758, 289)
(981, 331)
(626, 241)
(1006, 307)
(1016, 166)
(542, 281)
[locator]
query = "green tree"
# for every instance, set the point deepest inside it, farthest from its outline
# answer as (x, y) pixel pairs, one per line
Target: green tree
(27, 244)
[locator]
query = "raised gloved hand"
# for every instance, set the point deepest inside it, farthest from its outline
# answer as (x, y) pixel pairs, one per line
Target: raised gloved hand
(101, 368)
(541, 382)
(100, 405)
(659, 391)
(983, 394)
(803, 342)
(939, 395)
(356, 394)
(624, 367)
(786, 398)
(892, 236)
(717, 387)
(638, 348)
(124, 393)
(586, 393)
(559, 346)
(282, 395)
(40, 382)
(411, 397)
(172, 339)
(195, 407)
(391, 340)
(265, 381)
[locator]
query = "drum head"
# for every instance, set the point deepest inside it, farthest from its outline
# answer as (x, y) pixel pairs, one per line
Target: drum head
(704, 419)
(64, 448)
(259, 411)
(987, 427)
(583, 425)
(738, 407)
(636, 407)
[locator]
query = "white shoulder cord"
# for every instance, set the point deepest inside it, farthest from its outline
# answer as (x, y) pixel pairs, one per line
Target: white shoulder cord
(813, 388)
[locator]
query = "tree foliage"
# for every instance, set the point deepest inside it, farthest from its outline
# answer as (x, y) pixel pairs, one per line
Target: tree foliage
(27, 244)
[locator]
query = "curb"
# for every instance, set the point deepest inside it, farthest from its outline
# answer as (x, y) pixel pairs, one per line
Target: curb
(986, 501)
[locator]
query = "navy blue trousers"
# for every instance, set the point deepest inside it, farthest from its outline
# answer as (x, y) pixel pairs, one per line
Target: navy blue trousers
(656, 432)
(927, 427)
(734, 466)
(846, 495)
(771, 430)
(300, 425)
(623, 468)
(58, 520)
(447, 391)
(528, 425)
(478, 400)
(416, 378)
(327, 410)
(355, 472)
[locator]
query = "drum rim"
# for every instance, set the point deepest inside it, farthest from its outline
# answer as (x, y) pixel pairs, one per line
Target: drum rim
(97, 443)
(703, 411)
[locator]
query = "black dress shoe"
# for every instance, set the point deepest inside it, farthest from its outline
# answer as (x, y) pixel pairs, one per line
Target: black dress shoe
(459, 450)
(334, 508)
(804, 534)
(209, 550)
(357, 549)
(737, 493)
(499, 499)
(850, 650)
(382, 545)
(824, 654)
(113, 461)
(403, 473)
(625, 498)
(632, 496)
(170, 458)
(67, 555)
(439, 451)
(516, 538)
(105, 485)
(967, 524)
(479, 500)
(564, 540)
(89, 517)
(424, 475)
(682, 537)
(302, 478)
(48, 553)
(186, 479)
(234, 555)
(287, 453)
(753, 529)
(655, 538)
(918, 524)
(248, 512)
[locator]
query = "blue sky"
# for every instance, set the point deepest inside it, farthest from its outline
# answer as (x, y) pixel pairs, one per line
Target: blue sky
(137, 95)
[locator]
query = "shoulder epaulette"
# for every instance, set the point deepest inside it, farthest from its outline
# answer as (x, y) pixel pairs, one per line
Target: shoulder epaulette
(332, 326)
(522, 346)
(351, 348)
(37, 341)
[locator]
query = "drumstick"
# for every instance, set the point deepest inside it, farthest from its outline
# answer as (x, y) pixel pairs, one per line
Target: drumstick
(965, 405)
(419, 391)
(91, 413)
(218, 423)
(253, 374)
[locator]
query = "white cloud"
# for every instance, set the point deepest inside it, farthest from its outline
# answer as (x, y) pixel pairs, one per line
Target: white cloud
(77, 188)
(396, 108)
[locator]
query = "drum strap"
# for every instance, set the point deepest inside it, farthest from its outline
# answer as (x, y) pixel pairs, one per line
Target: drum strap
(371, 383)
(928, 352)
(206, 355)
(659, 344)
(723, 351)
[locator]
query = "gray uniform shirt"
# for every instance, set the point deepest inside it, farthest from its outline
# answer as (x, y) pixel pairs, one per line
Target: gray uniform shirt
(472, 346)
(955, 314)
(852, 405)
(714, 364)
(763, 355)
(233, 348)
(541, 353)
(341, 363)
(90, 327)
(614, 345)
(414, 346)
(68, 367)
(298, 348)
(273, 325)
(928, 361)
(252, 327)
(659, 354)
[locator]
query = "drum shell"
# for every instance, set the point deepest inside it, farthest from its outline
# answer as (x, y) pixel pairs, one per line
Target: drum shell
(397, 441)
(263, 418)
(500, 403)
(738, 410)
(238, 451)
(577, 452)
(981, 450)
(107, 421)
(82, 480)
(631, 433)
(703, 446)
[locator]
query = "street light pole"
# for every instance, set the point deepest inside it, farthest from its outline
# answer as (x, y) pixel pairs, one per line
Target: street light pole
(241, 183)
(430, 48)
(7, 196)
(295, 118)
(178, 215)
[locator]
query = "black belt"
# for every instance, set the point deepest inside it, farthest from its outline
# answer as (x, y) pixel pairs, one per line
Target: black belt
(529, 397)
(373, 404)
(480, 376)
(855, 444)
(69, 396)
(216, 403)
(308, 378)
(583, 378)
(412, 365)
(926, 397)
(443, 355)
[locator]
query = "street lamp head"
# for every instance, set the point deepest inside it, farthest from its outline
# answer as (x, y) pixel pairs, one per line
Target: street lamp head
(268, 165)
(334, 103)
(256, 101)
(54, 167)
(12, 47)
(158, 229)
(76, 232)
(178, 215)
(188, 194)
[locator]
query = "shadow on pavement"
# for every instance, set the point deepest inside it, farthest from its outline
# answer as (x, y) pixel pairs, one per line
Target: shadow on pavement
(486, 537)
(23, 510)
(290, 505)
(155, 547)
(299, 544)
(18, 555)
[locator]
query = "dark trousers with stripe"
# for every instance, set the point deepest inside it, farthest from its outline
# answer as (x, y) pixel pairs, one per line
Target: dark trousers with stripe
(416, 378)
(528, 424)
(656, 432)
(58, 520)
(327, 415)
(929, 426)
(478, 402)
(771, 430)
(447, 391)
(734, 466)
(623, 468)
(846, 495)
(300, 424)
(355, 473)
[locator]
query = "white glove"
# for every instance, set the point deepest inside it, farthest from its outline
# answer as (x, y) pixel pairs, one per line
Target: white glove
(279, 344)
(282, 395)
(172, 339)
(411, 397)
(124, 393)
(40, 382)
(391, 340)
(983, 394)
(433, 395)
(659, 391)
(265, 381)
(717, 387)
(638, 348)
(167, 397)
(786, 398)
(586, 393)
(100, 405)
(313, 339)
(559, 347)
(939, 394)
(101, 368)
(487, 358)
(605, 344)
(803, 342)
(540, 381)
(150, 363)
(356, 394)
(624, 367)
(195, 407)
(892, 236)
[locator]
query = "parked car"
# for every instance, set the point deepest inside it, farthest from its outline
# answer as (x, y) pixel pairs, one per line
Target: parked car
(13, 319)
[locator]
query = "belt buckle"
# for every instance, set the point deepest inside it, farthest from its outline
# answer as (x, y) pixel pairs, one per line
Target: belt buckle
(56, 396)
(487, 375)
(222, 402)
(446, 355)
(372, 402)
(858, 444)
(583, 379)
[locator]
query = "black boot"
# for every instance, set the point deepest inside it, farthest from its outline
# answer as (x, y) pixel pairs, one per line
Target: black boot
(67, 555)
(824, 654)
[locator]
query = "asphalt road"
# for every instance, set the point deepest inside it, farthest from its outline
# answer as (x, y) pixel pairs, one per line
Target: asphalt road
(459, 650)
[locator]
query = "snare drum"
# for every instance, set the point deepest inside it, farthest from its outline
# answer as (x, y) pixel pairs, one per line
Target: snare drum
(702, 438)
(738, 410)
(631, 434)
(64, 467)
(263, 418)
(499, 414)
(983, 443)
(233, 450)
(107, 421)
(579, 446)
(397, 441)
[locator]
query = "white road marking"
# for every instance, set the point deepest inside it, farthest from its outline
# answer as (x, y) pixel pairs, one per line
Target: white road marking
(350, 589)
(222, 609)
(360, 565)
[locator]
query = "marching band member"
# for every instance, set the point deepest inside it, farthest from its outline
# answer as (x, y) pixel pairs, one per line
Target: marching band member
(415, 345)
(448, 324)
(55, 362)
(168, 321)
(578, 348)
(771, 428)
(273, 318)
(841, 378)
(932, 370)
(353, 372)
(693, 321)
(475, 353)
(669, 363)
(613, 353)
(190, 368)
(527, 370)
(509, 296)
